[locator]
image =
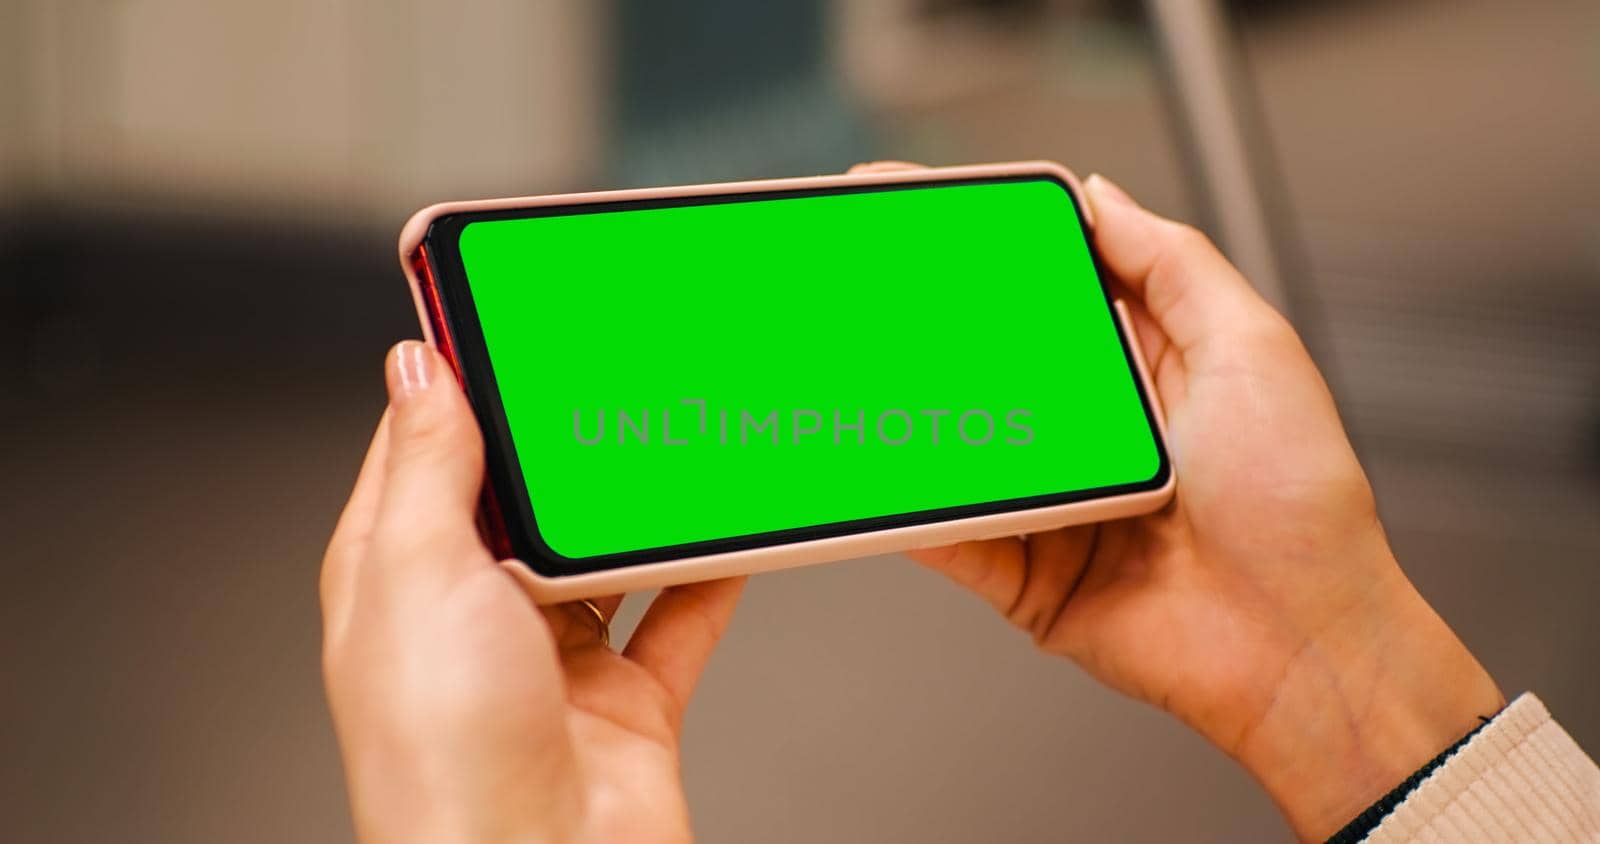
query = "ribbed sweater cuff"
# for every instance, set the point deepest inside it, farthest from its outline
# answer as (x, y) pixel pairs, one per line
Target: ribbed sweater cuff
(1521, 778)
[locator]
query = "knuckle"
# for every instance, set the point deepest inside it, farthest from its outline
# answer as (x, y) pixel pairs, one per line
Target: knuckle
(435, 435)
(425, 429)
(1267, 330)
(1189, 239)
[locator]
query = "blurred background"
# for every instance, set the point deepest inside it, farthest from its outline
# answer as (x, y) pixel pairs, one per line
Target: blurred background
(198, 207)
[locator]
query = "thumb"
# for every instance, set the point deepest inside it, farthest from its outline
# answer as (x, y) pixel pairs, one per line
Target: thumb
(434, 471)
(1188, 287)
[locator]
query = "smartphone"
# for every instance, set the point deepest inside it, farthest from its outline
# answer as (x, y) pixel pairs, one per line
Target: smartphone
(685, 383)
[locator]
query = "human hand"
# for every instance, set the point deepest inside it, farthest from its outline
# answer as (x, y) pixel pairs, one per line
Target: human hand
(1263, 606)
(464, 711)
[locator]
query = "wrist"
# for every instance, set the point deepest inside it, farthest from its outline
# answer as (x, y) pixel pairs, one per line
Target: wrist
(1360, 708)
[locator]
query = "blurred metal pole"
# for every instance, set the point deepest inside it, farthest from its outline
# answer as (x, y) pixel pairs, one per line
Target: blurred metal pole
(1216, 110)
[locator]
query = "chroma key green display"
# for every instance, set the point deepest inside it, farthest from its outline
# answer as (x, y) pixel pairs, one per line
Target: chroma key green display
(678, 374)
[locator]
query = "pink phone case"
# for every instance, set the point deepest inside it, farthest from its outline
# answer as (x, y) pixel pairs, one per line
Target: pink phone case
(710, 566)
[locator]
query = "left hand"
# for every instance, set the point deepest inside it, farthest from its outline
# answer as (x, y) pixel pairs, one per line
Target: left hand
(465, 712)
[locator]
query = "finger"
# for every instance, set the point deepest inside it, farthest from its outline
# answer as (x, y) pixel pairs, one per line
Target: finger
(607, 606)
(1147, 333)
(349, 541)
(887, 166)
(993, 568)
(1186, 285)
(1163, 364)
(575, 625)
(571, 623)
(675, 637)
(434, 473)
(1027, 580)
(1153, 342)
(1056, 560)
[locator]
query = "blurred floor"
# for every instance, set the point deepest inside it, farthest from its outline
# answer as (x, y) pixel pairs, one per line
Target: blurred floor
(165, 509)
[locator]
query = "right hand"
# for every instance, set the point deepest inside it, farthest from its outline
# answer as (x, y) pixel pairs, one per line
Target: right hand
(1263, 606)
(464, 710)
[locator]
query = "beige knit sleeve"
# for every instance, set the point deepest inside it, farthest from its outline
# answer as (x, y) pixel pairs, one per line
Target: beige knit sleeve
(1521, 778)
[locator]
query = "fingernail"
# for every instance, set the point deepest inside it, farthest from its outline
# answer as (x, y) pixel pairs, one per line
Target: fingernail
(1104, 189)
(410, 370)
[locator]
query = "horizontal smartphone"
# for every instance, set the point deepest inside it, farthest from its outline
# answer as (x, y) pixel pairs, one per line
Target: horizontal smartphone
(686, 383)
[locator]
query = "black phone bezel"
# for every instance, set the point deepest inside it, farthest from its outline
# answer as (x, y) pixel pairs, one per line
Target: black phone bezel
(505, 474)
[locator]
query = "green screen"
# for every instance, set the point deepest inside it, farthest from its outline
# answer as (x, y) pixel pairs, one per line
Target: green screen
(683, 374)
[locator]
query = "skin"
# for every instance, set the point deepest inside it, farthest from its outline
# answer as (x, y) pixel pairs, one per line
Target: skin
(465, 713)
(1262, 607)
